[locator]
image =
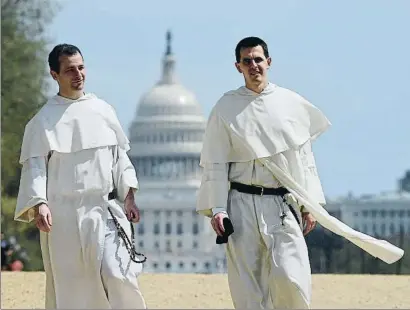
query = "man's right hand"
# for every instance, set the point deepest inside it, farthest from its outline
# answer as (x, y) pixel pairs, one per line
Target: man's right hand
(43, 217)
(217, 223)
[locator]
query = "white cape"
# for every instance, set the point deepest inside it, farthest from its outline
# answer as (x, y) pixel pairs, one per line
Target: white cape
(273, 122)
(68, 126)
(246, 126)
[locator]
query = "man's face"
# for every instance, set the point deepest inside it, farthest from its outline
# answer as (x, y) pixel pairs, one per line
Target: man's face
(253, 64)
(71, 77)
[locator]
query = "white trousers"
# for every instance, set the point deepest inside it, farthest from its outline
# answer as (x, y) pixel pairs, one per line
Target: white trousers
(119, 273)
(268, 263)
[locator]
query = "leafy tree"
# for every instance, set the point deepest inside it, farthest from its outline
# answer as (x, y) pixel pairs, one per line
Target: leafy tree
(404, 182)
(330, 253)
(23, 77)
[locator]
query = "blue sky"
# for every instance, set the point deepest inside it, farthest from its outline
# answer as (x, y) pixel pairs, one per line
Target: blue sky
(349, 58)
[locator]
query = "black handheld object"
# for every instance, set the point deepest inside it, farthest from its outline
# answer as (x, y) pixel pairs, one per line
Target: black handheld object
(228, 231)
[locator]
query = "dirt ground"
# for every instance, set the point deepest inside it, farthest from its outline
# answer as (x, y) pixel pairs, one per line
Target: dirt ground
(25, 290)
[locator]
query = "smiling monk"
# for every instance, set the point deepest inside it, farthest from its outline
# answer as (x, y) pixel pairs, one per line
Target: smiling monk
(78, 185)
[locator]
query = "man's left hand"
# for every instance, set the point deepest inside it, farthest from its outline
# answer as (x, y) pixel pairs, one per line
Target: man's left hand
(309, 223)
(131, 210)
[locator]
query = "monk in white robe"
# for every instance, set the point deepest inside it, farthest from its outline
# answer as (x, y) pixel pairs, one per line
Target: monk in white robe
(260, 172)
(74, 157)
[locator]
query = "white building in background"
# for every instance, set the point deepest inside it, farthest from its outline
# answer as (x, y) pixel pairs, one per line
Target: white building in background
(166, 140)
(381, 215)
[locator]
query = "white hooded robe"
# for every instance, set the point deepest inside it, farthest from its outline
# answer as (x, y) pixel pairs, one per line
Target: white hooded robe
(73, 155)
(275, 128)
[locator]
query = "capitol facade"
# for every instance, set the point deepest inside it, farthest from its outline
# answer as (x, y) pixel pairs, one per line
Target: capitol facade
(166, 140)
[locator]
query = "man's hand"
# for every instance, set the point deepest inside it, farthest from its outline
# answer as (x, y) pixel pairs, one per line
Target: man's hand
(217, 223)
(309, 222)
(43, 217)
(131, 210)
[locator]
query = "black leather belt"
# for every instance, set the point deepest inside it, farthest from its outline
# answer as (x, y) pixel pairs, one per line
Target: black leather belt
(258, 190)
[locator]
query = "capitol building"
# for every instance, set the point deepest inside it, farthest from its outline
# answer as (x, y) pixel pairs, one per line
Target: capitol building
(166, 141)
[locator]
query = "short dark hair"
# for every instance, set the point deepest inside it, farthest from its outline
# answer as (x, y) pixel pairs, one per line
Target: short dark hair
(250, 42)
(60, 50)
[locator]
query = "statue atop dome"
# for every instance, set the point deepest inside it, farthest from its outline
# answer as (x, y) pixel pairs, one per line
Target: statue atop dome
(168, 69)
(169, 38)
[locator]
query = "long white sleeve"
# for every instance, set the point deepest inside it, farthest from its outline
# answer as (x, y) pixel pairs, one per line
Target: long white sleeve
(33, 188)
(124, 174)
(313, 184)
(213, 192)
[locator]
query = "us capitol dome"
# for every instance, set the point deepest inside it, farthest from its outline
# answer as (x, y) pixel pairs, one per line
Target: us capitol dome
(166, 140)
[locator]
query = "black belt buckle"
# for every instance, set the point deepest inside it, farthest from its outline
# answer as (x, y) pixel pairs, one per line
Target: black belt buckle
(261, 187)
